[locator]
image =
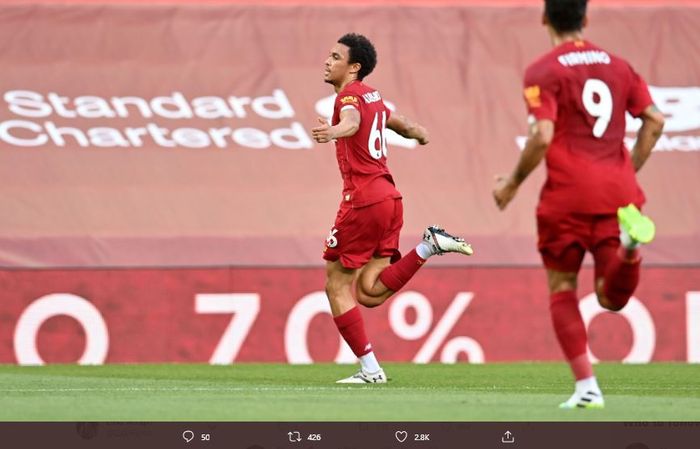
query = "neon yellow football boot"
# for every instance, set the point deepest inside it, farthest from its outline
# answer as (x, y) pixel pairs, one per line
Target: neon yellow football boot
(639, 228)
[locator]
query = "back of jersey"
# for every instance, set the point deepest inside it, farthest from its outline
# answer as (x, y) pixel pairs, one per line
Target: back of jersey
(586, 92)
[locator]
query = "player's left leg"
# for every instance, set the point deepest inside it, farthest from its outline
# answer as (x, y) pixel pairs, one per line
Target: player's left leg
(617, 257)
(616, 275)
(573, 339)
(348, 320)
(562, 242)
(370, 290)
(380, 279)
(388, 272)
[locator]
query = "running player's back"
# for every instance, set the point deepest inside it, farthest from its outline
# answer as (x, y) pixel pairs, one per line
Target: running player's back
(586, 91)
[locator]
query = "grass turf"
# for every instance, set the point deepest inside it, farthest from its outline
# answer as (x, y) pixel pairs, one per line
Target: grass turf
(280, 392)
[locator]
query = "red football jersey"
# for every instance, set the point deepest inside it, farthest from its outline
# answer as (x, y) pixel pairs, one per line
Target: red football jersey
(586, 91)
(362, 156)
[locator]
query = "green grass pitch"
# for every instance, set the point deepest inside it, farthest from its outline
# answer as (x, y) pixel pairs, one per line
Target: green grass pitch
(280, 392)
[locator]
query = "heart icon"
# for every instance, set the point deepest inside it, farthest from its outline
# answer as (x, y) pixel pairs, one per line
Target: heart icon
(401, 435)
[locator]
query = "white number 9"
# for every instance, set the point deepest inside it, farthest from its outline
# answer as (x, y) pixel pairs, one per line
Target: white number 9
(601, 109)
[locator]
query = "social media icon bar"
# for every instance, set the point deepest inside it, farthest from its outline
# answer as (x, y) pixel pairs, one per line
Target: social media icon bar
(508, 437)
(401, 435)
(294, 436)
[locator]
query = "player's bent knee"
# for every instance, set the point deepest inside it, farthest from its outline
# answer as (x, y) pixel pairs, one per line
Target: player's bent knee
(605, 303)
(368, 301)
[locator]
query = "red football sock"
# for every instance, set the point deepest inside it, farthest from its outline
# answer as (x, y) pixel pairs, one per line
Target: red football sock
(352, 328)
(571, 332)
(621, 278)
(396, 275)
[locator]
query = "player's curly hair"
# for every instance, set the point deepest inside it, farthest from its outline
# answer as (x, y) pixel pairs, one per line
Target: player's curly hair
(565, 15)
(362, 51)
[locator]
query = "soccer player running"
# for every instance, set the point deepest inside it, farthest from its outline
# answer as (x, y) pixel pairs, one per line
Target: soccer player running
(362, 246)
(577, 96)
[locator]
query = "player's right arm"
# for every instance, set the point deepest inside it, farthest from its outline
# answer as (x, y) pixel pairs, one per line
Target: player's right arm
(647, 136)
(407, 128)
(540, 97)
(347, 126)
(539, 137)
(641, 105)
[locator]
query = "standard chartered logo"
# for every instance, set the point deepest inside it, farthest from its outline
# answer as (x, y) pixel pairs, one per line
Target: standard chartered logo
(133, 121)
(680, 105)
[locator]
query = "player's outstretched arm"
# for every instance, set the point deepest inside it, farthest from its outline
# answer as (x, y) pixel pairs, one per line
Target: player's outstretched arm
(648, 134)
(408, 128)
(347, 126)
(539, 138)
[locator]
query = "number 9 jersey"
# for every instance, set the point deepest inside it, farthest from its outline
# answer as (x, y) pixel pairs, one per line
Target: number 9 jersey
(362, 156)
(586, 92)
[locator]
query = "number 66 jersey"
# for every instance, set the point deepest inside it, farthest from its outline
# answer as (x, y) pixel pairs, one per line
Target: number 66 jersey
(586, 91)
(362, 156)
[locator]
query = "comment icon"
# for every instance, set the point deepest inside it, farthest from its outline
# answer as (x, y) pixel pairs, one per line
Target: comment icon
(188, 436)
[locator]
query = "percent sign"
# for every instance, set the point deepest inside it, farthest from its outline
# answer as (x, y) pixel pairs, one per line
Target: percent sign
(421, 327)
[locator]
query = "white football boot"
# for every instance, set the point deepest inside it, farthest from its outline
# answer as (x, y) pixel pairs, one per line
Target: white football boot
(442, 242)
(587, 399)
(363, 377)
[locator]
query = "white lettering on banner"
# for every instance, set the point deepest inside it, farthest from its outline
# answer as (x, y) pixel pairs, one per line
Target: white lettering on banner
(692, 300)
(25, 133)
(56, 304)
(172, 107)
(667, 143)
(107, 138)
(31, 104)
(244, 307)
(37, 140)
(640, 321)
(296, 345)
(424, 319)
(680, 106)
(397, 315)
(212, 108)
(275, 107)
(28, 103)
(59, 105)
(120, 106)
(292, 138)
(93, 107)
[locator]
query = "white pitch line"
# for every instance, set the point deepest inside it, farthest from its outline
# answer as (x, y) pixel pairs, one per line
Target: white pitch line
(263, 389)
(202, 389)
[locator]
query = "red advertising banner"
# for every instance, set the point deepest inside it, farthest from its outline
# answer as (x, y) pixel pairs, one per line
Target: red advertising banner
(176, 135)
(223, 316)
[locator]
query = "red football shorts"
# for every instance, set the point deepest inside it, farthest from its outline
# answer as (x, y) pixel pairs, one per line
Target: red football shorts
(362, 233)
(564, 239)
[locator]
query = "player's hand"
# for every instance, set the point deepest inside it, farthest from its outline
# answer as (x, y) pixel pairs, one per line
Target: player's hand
(424, 138)
(322, 134)
(504, 191)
